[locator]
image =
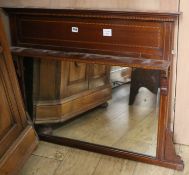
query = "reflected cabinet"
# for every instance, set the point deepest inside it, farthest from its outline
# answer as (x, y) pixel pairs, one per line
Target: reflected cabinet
(62, 90)
(98, 80)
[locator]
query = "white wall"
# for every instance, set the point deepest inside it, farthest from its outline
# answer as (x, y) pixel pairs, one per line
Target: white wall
(96, 4)
(182, 88)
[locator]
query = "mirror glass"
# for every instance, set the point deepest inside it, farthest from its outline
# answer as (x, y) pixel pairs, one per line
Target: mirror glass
(111, 106)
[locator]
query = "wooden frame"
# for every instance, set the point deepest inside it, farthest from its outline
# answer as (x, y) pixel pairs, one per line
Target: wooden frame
(153, 52)
(19, 139)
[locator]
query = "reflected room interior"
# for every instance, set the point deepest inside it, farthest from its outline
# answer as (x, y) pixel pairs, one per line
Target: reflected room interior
(113, 106)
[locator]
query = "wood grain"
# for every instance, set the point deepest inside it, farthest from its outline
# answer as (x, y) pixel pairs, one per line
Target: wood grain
(109, 165)
(144, 38)
(52, 151)
(143, 169)
(37, 165)
(76, 161)
(17, 138)
(131, 128)
(101, 164)
(15, 157)
(93, 58)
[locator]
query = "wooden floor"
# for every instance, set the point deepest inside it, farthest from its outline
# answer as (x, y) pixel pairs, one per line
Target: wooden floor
(132, 128)
(50, 159)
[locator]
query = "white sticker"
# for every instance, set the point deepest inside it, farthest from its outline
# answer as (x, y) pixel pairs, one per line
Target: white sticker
(75, 29)
(107, 32)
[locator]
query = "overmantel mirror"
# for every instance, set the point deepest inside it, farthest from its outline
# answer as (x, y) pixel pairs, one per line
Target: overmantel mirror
(98, 80)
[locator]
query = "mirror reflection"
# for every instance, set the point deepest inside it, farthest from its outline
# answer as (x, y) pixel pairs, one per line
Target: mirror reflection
(112, 106)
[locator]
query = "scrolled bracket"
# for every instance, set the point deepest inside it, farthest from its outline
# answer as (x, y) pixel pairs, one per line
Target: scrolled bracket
(164, 82)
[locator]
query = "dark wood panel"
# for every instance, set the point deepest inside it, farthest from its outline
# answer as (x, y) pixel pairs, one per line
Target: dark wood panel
(135, 34)
(127, 36)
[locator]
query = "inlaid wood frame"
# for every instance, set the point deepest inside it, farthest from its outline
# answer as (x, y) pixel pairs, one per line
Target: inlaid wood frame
(154, 53)
(165, 154)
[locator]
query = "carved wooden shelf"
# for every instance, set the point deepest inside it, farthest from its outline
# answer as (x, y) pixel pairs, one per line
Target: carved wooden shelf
(154, 64)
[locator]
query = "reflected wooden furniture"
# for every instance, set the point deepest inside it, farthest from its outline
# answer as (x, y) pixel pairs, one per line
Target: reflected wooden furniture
(62, 90)
(139, 40)
(17, 136)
